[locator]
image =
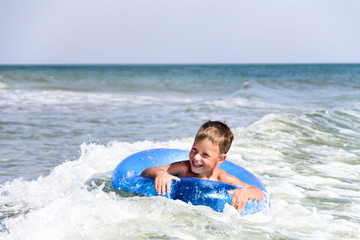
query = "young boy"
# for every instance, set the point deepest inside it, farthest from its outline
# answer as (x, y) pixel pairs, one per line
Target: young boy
(212, 142)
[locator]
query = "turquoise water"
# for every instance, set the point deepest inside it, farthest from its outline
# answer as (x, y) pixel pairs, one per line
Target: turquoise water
(296, 128)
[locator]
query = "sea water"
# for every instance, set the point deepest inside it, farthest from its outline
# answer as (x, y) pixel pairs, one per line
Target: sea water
(63, 129)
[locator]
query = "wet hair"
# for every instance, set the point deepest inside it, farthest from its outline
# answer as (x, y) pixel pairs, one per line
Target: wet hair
(218, 133)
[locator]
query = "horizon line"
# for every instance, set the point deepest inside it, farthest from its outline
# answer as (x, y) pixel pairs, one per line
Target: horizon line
(134, 64)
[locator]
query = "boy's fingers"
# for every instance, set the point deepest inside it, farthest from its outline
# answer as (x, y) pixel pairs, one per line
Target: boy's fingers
(242, 206)
(239, 205)
(236, 201)
(163, 189)
(233, 200)
(168, 184)
(156, 186)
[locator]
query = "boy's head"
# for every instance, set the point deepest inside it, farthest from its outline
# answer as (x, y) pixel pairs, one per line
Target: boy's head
(218, 133)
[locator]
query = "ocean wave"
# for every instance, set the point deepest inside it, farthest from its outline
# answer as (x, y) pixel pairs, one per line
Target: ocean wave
(319, 132)
(64, 189)
(59, 97)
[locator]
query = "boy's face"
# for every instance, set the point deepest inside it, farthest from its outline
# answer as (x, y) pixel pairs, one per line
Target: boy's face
(204, 156)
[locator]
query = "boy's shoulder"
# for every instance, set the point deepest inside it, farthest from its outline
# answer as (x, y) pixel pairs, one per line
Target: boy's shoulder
(184, 163)
(181, 169)
(222, 175)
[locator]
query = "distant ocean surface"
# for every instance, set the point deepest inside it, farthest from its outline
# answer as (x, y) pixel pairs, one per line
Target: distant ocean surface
(63, 129)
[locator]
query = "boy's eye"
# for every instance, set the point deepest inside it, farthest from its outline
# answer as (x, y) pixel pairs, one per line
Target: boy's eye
(206, 155)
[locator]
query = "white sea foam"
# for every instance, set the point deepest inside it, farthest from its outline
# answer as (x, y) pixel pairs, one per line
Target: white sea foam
(237, 101)
(61, 97)
(2, 85)
(57, 205)
(58, 97)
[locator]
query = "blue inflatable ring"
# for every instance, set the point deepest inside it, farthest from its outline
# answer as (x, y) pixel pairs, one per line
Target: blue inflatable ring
(126, 177)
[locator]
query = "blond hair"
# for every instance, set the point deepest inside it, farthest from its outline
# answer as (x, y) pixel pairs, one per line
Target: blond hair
(218, 133)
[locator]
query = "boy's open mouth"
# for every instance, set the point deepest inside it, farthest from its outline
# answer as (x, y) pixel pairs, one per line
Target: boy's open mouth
(197, 164)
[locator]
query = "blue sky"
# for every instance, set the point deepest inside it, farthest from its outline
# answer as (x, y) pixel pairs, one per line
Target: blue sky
(164, 31)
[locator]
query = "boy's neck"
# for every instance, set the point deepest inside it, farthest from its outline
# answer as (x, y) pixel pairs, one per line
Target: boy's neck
(213, 175)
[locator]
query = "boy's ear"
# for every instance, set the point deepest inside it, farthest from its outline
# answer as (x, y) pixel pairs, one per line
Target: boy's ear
(221, 159)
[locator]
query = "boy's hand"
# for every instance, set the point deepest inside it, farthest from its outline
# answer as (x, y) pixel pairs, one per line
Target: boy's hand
(163, 182)
(242, 195)
(239, 198)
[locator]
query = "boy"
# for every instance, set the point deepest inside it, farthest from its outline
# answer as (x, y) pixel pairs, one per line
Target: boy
(212, 142)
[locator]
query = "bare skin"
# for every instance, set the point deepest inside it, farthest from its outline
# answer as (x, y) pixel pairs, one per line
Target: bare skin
(204, 161)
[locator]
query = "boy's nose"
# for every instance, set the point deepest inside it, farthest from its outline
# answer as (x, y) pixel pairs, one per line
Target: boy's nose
(197, 157)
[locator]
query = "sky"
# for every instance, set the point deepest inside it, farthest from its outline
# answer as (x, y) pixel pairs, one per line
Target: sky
(172, 31)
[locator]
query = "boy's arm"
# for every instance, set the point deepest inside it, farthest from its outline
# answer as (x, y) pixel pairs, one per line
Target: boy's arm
(163, 175)
(242, 195)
